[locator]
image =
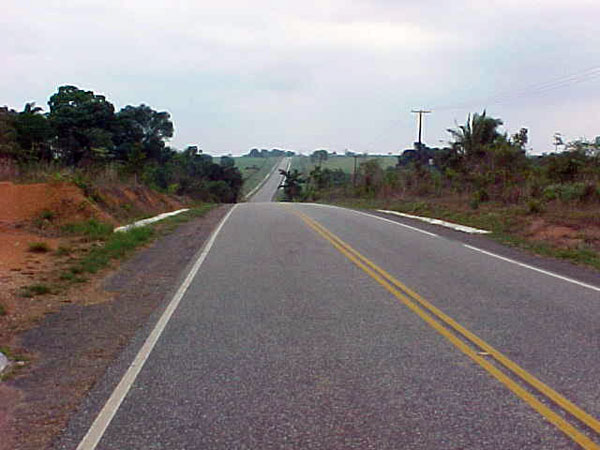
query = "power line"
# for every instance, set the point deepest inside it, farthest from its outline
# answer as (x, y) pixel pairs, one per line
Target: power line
(531, 90)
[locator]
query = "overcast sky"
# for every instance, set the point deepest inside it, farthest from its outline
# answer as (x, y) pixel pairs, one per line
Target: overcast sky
(311, 74)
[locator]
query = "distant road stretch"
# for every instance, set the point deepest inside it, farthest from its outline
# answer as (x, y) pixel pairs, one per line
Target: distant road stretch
(268, 190)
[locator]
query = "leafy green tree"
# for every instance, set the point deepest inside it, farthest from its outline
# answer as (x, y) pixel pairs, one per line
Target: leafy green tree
(82, 121)
(9, 147)
(144, 126)
(33, 133)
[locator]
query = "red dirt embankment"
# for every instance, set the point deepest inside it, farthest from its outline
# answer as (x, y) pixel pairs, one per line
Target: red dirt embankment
(21, 204)
(34, 213)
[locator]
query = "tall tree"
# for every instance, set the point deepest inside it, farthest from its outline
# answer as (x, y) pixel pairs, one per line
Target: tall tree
(9, 148)
(82, 121)
(144, 126)
(33, 133)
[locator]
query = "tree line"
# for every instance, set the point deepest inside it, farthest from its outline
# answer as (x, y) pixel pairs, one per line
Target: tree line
(82, 130)
(480, 162)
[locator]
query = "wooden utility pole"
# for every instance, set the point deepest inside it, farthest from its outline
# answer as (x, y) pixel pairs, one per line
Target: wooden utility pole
(420, 112)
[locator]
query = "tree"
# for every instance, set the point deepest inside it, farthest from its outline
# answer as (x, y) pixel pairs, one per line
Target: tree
(9, 148)
(319, 156)
(471, 139)
(82, 121)
(292, 184)
(144, 126)
(33, 133)
(521, 138)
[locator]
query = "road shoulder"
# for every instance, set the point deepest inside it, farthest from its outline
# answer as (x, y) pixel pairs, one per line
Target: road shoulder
(74, 347)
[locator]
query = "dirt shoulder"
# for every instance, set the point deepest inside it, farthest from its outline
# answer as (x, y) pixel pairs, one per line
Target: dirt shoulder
(70, 348)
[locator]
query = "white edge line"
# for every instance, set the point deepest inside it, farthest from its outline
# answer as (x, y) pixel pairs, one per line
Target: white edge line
(527, 266)
(141, 223)
(443, 223)
(100, 424)
(376, 217)
(252, 192)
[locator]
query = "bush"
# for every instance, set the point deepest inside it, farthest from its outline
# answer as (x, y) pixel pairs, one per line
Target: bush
(35, 289)
(534, 206)
(569, 192)
(38, 247)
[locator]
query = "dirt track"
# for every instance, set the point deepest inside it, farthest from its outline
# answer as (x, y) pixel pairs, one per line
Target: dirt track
(75, 345)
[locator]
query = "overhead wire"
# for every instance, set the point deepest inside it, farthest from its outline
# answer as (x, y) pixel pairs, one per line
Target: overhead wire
(537, 89)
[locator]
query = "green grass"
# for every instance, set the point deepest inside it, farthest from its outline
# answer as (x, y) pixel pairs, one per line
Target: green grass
(35, 289)
(92, 230)
(3, 311)
(119, 245)
(38, 247)
(116, 246)
(346, 163)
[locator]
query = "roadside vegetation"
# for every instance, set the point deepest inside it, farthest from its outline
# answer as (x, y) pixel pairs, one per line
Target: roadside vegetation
(94, 245)
(83, 139)
(549, 203)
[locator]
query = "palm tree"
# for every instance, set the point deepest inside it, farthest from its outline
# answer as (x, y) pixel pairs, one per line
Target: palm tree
(479, 132)
(30, 108)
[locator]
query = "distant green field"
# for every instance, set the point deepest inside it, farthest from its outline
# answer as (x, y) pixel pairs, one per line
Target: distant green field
(346, 163)
(253, 170)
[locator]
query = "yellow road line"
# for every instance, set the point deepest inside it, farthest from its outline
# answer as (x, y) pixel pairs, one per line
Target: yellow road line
(388, 282)
(506, 362)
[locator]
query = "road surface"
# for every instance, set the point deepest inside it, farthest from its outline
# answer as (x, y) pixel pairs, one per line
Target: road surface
(269, 188)
(315, 327)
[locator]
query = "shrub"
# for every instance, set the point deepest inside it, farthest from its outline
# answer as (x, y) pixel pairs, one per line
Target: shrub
(38, 247)
(47, 215)
(569, 192)
(35, 289)
(481, 195)
(534, 206)
(62, 250)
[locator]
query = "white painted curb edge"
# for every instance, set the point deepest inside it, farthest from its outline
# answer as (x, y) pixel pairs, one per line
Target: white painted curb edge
(454, 226)
(3, 362)
(141, 223)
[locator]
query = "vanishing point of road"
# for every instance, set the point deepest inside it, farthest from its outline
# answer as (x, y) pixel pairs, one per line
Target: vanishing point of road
(306, 326)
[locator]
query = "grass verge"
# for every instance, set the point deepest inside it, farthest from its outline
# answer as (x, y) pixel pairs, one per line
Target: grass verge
(116, 246)
(504, 222)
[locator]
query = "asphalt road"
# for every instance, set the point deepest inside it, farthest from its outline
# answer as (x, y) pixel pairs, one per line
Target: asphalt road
(268, 190)
(288, 337)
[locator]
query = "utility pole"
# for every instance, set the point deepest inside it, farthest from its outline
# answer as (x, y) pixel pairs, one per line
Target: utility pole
(420, 112)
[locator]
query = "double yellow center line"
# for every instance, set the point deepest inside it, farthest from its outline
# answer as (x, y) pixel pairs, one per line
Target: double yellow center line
(471, 345)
